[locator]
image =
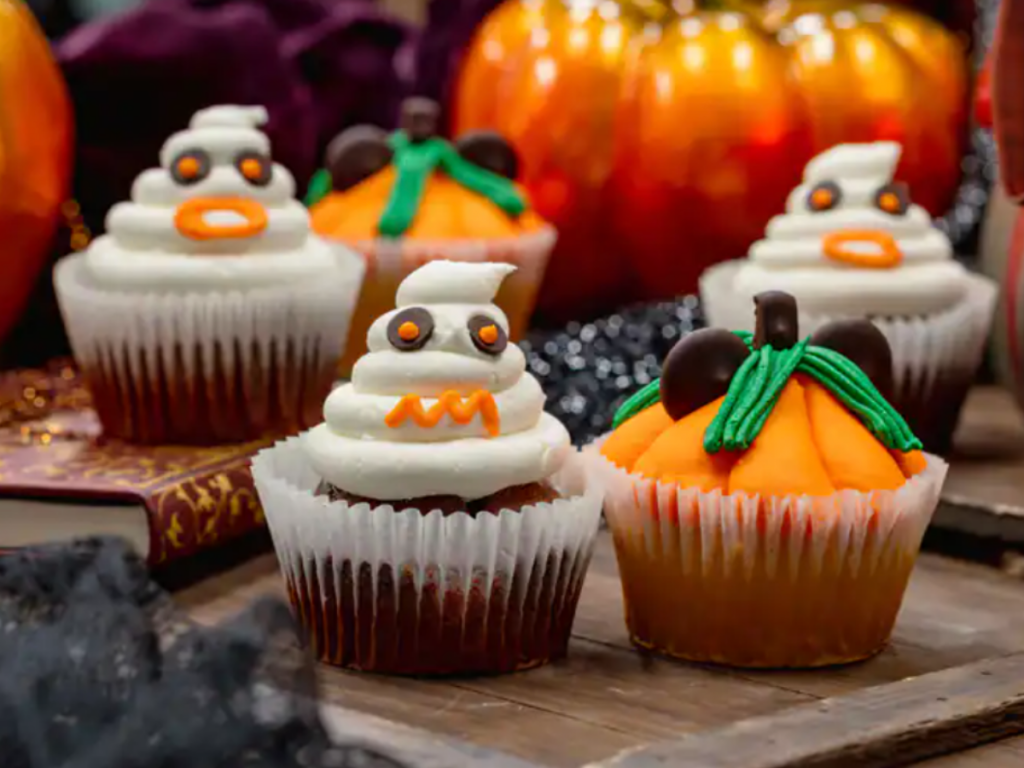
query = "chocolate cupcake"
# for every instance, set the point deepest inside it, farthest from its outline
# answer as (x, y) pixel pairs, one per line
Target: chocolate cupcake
(438, 521)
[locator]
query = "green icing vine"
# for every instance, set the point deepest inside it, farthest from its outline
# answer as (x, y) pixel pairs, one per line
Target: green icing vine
(319, 187)
(414, 163)
(757, 385)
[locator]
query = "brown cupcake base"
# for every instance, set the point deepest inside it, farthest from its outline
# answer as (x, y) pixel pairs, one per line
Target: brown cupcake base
(932, 410)
(385, 622)
(514, 498)
(226, 399)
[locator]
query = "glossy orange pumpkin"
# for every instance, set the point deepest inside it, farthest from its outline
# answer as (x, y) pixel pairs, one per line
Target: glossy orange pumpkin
(661, 143)
(35, 155)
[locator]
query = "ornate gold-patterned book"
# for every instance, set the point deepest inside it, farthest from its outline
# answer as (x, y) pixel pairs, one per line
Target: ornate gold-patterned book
(60, 479)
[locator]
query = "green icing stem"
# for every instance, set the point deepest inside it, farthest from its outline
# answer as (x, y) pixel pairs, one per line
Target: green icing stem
(757, 385)
(415, 162)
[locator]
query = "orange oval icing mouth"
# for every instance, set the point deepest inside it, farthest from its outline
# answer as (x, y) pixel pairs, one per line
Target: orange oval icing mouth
(193, 218)
(848, 247)
(451, 403)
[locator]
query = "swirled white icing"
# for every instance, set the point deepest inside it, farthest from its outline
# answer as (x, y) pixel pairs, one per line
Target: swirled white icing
(356, 450)
(144, 248)
(792, 256)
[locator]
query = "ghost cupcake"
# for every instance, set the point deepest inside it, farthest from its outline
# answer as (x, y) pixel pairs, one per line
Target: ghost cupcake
(853, 245)
(208, 313)
(438, 521)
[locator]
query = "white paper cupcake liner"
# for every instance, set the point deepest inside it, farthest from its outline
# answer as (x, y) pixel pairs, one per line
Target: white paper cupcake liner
(764, 582)
(391, 261)
(207, 367)
(411, 593)
(935, 357)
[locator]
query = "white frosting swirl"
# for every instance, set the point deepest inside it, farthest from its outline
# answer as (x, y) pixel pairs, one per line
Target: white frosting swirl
(792, 255)
(357, 451)
(144, 248)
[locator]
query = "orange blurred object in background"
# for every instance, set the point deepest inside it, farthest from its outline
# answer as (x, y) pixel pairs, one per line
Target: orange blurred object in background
(35, 155)
(662, 140)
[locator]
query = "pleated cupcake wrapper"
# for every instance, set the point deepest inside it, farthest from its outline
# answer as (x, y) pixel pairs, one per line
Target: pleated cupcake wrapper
(412, 593)
(935, 357)
(207, 367)
(764, 582)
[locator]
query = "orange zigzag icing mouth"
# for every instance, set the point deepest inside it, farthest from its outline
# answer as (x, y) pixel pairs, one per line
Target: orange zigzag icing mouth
(450, 402)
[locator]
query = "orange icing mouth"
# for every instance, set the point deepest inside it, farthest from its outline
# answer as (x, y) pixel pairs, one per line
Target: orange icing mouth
(837, 247)
(190, 218)
(452, 403)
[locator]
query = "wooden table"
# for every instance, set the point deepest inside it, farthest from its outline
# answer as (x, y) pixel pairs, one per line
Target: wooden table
(608, 697)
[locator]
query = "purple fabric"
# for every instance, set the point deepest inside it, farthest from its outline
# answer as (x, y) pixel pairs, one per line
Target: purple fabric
(317, 65)
(449, 29)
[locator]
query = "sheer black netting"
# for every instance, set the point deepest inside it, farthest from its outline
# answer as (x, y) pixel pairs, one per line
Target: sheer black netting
(99, 670)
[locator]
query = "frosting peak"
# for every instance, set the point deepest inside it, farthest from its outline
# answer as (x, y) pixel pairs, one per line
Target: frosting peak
(451, 282)
(218, 213)
(852, 242)
(442, 404)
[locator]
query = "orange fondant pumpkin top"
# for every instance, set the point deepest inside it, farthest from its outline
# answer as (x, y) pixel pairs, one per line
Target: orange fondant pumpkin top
(417, 185)
(803, 439)
(447, 211)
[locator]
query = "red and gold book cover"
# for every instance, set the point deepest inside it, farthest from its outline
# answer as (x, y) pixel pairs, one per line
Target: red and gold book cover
(51, 448)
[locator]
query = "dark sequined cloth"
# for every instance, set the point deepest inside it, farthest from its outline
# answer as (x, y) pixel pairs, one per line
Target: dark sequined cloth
(98, 670)
(588, 369)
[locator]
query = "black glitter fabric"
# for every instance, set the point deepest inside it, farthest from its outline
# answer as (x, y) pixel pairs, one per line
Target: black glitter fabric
(98, 670)
(588, 369)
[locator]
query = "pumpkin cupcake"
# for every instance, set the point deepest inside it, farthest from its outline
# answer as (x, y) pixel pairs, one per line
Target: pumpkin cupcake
(412, 197)
(766, 501)
(852, 244)
(438, 521)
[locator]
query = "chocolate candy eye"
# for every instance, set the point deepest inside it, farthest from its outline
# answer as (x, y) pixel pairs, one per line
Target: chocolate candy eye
(862, 343)
(489, 337)
(255, 168)
(893, 198)
(410, 329)
(490, 151)
(357, 154)
(190, 167)
(824, 197)
(699, 368)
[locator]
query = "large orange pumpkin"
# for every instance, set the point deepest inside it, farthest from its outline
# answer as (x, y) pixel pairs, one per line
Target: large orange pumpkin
(660, 144)
(35, 155)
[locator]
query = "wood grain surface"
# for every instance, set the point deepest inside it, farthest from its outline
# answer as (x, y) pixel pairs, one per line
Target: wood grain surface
(607, 697)
(878, 727)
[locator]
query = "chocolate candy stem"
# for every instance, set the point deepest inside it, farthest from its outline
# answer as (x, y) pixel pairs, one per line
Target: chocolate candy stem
(777, 321)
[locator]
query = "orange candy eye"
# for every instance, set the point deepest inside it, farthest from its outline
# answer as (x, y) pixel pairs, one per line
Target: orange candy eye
(255, 168)
(190, 167)
(408, 331)
(893, 198)
(824, 197)
(489, 334)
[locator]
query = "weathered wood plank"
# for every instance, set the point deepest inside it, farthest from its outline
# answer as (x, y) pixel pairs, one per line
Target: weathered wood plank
(411, 745)
(1008, 753)
(889, 725)
(984, 493)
